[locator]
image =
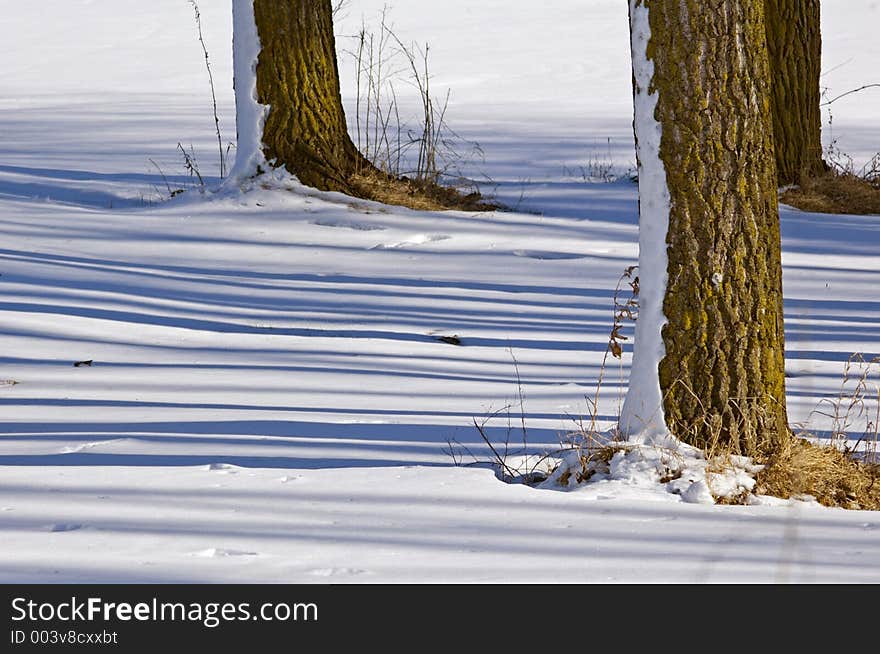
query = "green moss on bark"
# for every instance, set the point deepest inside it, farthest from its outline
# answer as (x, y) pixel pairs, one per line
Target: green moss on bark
(298, 78)
(723, 373)
(795, 53)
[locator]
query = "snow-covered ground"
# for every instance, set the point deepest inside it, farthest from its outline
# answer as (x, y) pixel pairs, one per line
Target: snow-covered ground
(268, 399)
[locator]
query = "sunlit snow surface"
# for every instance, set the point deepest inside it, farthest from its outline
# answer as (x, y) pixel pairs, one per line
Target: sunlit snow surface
(269, 398)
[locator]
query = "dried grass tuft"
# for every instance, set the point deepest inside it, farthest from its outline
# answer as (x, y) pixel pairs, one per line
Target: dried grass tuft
(836, 193)
(833, 477)
(422, 195)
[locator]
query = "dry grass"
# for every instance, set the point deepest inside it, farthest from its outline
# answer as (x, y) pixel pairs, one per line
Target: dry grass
(836, 473)
(801, 468)
(843, 473)
(414, 159)
(833, 473)
(835, 478)
(422, 195)
(591, 460)
(836, 192)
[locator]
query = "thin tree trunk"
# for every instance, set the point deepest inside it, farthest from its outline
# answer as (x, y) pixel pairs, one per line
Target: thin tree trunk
(794, 43)
(298, 79)
(719, 355)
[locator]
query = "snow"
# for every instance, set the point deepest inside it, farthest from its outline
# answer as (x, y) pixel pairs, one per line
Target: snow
(269, 398)
(250, 115)
(642, 416)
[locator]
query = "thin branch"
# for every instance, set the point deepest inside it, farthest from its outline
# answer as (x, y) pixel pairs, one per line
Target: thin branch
(502, 461)
(211, 81)
(164, 179)
(843, 95)
(522, 401)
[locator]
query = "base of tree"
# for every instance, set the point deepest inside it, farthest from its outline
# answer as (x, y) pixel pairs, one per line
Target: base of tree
(423, 195)
(799, 469)
(836, 192)
(833, 477)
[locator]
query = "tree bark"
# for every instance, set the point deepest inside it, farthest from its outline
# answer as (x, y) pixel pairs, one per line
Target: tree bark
(721, 372)
(794, 43)
(297, 77)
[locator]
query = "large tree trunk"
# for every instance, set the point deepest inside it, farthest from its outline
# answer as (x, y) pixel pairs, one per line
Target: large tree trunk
(295, 77)
(709, 263)
(794, 43)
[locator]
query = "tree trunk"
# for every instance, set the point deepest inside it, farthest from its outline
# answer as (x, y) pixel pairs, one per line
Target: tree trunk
(707, 193)
(794, 43)
(298, 79)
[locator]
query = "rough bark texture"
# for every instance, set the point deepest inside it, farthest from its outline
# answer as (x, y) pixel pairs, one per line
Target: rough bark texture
(723, 373)
(794, 43)
(297, 76)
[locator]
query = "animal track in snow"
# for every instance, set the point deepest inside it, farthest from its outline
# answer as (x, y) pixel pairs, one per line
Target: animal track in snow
(65, 526)
(73, 449)
(361, 227)
(336, 572)
(219, 552)
(223, 468)
(548, 256)
(419, 239)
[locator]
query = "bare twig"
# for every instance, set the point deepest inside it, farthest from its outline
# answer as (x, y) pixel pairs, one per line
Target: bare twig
(211, 82)
(164, 179)
(522, 403)
(843, 95)
(501, 460)
(189, 161)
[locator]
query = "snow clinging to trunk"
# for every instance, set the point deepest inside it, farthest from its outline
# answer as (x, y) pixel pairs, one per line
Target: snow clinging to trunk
(250, 115)
(642, 416)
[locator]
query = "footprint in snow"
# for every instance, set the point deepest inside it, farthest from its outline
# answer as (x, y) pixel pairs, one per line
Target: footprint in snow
(73, 449)
(362, 227)
(548, 256)
(224, 468)
(65, 526)
(336, 572)
(419, 239)
(218, 552)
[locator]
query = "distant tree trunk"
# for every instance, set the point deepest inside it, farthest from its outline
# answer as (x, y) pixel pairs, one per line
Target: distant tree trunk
(794, 43)
(297, 79)
(710, 367)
